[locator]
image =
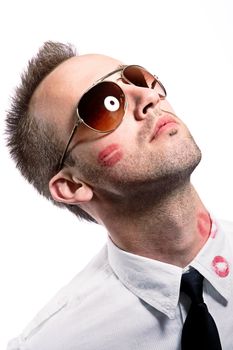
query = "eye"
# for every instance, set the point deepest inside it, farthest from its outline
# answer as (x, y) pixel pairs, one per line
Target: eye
(111, 103)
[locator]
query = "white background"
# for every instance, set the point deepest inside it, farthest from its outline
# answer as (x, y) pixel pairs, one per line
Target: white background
(188, 44)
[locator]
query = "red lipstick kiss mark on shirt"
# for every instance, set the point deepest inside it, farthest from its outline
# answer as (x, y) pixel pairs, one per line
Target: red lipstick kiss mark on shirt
(220, 266)
(204, 224)
(214, 229)
(110, 155)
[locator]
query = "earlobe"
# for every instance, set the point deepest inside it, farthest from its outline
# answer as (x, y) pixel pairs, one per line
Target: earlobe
(67, 189)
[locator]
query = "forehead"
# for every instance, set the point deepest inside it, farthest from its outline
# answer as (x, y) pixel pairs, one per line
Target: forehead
(84, 70)
(57, 96)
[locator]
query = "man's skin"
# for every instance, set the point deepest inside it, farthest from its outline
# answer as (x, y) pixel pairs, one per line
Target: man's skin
(135, 183)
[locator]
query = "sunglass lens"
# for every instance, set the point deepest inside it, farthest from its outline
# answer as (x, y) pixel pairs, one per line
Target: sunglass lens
(141, 77)
(102, 107)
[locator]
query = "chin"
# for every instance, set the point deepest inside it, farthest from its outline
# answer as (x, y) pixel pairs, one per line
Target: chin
(188, 160)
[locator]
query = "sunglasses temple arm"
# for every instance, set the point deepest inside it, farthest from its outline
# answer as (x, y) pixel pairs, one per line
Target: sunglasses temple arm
(60, 165)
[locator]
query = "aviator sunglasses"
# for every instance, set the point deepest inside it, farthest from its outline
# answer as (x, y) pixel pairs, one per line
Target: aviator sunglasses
(102, 107)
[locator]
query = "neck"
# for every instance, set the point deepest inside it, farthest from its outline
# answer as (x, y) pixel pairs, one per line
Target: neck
(171, 229)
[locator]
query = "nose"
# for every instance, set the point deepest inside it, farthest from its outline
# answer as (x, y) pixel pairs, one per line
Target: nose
(141, 100)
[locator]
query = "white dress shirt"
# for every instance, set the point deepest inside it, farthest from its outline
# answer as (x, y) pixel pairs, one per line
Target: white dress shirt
(122, 301)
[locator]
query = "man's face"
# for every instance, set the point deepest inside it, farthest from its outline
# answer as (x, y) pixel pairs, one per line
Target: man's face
(150, 145)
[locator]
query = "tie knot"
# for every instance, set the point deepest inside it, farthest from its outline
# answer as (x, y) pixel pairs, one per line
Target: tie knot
(192, 285)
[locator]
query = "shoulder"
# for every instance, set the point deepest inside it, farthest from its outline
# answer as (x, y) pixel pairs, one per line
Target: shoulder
(81, 287)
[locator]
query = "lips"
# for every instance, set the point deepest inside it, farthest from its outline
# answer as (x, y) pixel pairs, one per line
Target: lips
(163, 124)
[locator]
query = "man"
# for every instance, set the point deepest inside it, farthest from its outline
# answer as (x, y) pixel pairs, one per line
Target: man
(101, 138)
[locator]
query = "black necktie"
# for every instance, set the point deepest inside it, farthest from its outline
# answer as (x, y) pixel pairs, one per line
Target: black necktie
(199, 330)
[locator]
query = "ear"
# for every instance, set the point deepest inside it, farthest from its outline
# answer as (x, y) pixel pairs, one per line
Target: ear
(65, 188)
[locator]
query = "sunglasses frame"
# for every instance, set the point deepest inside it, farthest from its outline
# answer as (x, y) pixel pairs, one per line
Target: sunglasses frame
(121, 69)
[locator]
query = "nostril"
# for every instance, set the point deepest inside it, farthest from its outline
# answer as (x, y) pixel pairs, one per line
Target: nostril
(146, 107)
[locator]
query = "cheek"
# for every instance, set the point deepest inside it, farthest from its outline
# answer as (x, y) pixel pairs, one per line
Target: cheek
(110, 155)
(166, 106)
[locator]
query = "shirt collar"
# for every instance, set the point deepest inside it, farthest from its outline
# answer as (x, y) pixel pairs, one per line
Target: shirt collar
(214, 261)
(154, 282)
(158, 283)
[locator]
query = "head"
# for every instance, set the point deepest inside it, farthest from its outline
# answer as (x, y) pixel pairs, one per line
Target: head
(150, 148)
(34, 143)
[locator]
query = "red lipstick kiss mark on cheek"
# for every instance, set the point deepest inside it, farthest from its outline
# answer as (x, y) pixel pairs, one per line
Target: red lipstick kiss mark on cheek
(204, 224)
(110, 155)
(220, 266)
